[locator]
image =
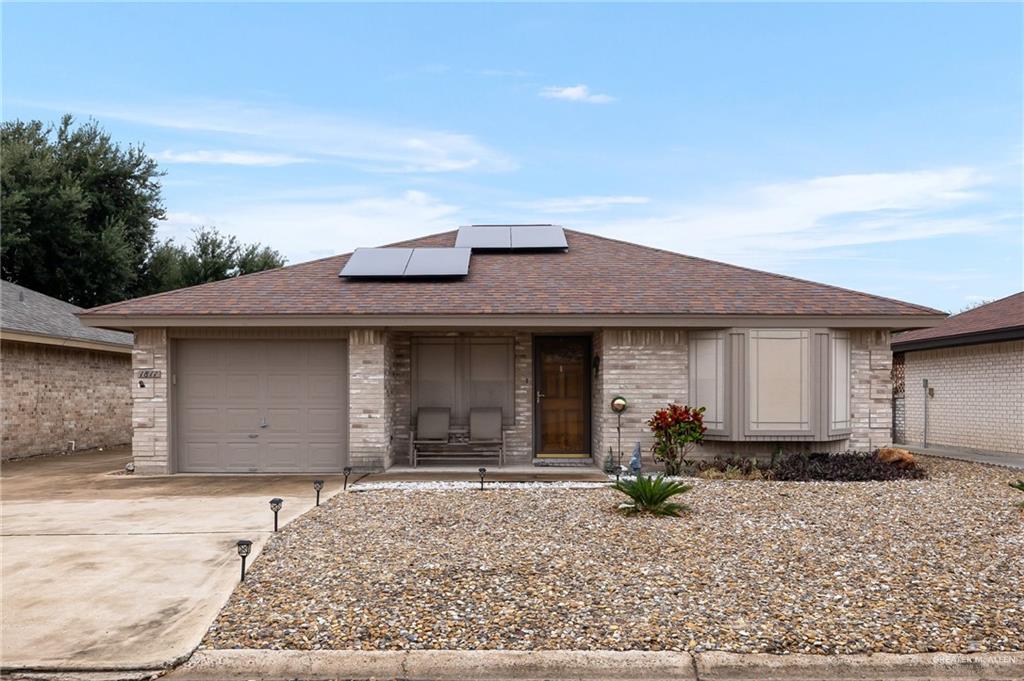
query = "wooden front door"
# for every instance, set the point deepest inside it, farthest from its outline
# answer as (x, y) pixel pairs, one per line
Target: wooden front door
(562, 400)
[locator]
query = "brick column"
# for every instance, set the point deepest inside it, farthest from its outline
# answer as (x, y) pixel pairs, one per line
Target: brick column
(370, 416)
(870, 389)
(150, 403)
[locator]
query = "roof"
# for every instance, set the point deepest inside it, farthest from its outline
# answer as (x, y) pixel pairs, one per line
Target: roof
(595, 276)
(28, 314)
(1002, 319)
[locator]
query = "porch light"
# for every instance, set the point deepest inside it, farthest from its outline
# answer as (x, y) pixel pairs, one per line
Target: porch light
(482, 471)
(347, 470)
(275, 506)
(244, 547)
(318, 485)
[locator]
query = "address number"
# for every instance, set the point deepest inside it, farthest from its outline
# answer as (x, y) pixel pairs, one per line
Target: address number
(150, 373)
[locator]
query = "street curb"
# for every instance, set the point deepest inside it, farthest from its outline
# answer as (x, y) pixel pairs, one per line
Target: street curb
(449, 665)
(718, 666)
(502, 665)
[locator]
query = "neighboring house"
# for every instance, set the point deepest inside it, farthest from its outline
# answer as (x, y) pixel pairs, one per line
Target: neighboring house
(318, 365)
(974, 365)
(64, 385)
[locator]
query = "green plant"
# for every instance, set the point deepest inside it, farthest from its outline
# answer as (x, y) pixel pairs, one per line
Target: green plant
(676, 430)
(652, 495)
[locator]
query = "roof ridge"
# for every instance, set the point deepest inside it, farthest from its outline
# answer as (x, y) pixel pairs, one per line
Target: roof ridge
(720, 263)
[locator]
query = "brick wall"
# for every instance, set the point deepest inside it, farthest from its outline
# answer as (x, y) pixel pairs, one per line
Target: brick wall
(370, 414)
(649, 368)
(871, 389)
(54, 394)
(979, 396)
(151, 403)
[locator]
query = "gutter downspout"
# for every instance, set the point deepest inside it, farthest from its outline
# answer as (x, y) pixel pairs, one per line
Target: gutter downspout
(925, 443)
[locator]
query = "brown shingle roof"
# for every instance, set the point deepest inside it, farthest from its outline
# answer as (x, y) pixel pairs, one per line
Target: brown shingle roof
(1003, 315)
(597, 275)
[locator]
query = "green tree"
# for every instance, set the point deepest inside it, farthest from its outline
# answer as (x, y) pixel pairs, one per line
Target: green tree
(78, 211)
(211, 256)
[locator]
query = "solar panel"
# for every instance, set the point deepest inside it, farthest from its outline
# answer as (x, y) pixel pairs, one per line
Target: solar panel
(484, 236)
(438, 262)
(377, 262)
(538, 236)
(407, 262)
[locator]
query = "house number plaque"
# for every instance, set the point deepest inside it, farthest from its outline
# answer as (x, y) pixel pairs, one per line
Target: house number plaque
(150, 373)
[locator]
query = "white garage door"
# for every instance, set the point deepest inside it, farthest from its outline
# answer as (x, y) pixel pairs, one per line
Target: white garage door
(247, 406)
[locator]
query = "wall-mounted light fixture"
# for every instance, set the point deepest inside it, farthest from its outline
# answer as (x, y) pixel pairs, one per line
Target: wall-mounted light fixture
(596, 364)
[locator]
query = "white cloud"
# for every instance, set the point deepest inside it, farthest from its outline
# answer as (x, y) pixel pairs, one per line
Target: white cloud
(575, 93)
(583, 204)
(308, 230)
(780, 223)
(234, 158)
(294, 132)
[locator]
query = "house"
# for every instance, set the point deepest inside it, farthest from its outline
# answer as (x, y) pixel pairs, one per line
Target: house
(314, 366)
(973, 364)
(65, 386)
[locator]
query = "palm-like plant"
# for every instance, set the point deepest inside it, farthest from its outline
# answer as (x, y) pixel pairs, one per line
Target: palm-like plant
(652, 495)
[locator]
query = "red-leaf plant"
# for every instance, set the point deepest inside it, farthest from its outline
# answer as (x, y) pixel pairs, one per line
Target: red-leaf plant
(677, 429)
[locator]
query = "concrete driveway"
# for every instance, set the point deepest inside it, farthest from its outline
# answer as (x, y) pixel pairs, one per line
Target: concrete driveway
(104, 571)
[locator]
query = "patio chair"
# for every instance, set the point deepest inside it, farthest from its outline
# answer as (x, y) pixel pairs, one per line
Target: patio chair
(432, 429)
(485, 431)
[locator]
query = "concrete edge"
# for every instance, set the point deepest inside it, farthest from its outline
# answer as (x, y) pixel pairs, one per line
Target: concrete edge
(998, 666)
(471, 665)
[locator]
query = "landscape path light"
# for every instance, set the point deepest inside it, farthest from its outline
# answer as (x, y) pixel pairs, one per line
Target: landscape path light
(347, 470)
(244, 547)
(275, 506)
(318, 485)
(619, 405)
(482, 471)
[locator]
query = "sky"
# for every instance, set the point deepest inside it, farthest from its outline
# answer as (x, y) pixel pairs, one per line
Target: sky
(871, 146)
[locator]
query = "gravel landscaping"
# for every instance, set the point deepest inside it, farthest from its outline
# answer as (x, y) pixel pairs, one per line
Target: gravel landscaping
(903, 567)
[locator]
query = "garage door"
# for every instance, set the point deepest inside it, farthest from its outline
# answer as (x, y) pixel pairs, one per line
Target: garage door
(247, 406)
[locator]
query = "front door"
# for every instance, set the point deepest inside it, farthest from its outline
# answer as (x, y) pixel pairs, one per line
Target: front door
(562, 406)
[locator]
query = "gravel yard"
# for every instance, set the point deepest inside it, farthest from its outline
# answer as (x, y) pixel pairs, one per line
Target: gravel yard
(909, 566)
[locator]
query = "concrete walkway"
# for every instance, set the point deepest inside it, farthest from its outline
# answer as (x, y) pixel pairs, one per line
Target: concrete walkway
(104, 571)
(494, 665)
(973, 455)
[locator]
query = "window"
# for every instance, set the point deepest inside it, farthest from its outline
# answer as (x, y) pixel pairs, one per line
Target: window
(462, 373)
(707, 377)
(839, 402)
(772, 384)
(779, 380)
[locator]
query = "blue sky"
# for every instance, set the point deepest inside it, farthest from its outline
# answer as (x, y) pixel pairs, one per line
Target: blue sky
(871, 146)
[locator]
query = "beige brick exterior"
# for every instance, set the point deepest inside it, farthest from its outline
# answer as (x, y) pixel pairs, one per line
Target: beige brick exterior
(53, 395)
(871, 389)
(979, 396)
(370, 414)
(647, 366)
(151, 403)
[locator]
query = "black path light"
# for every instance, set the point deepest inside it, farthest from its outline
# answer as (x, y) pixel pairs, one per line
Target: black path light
(275, 506)
(347, 470)
(244, 548)
(482, 471)
(318, 485)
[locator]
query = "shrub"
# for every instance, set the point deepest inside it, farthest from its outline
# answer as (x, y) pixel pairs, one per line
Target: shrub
(844, 467)
(729, 468)
(652, 495)
(676, 430)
